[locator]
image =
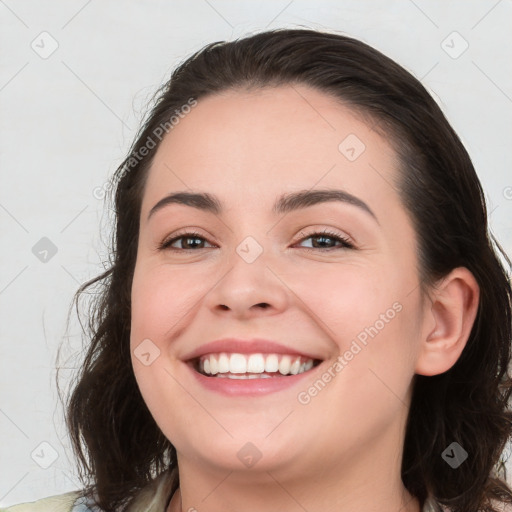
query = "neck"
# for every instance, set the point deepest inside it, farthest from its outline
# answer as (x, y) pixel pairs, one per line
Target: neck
(367, 480)
(266, 498)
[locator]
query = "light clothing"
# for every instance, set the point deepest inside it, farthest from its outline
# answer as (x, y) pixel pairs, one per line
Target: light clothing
(59, 503)
(152, 498)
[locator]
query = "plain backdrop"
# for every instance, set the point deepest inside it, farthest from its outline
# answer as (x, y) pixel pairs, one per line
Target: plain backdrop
(75, 79)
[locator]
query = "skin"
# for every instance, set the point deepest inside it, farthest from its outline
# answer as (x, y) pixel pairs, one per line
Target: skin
(342, 450)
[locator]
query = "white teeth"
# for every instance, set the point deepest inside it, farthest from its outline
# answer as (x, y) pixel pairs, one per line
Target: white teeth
(271, 363)
(214, 368)
(284, 365)
(223, 363)
(256, 363)
(295, 367)
(251, 366)
(237, 363)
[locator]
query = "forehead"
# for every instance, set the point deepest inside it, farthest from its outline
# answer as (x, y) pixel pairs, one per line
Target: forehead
(247, 145)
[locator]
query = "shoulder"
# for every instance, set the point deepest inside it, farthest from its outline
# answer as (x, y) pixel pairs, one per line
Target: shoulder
(432, 506)
(58, 503)
(501, 506)
(152, 498)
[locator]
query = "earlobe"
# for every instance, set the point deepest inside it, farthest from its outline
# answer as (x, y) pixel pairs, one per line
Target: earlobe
(448, 323)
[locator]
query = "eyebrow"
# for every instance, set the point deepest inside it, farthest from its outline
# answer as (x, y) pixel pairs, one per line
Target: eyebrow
(285, 203)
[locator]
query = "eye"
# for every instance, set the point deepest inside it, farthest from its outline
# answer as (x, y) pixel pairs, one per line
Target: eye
(327, 237)
(190, 238)
(193, 240)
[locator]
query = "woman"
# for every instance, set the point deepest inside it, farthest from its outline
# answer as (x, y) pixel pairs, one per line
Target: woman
(305, 309)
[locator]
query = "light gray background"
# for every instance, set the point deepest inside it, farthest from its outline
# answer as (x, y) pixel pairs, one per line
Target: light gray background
(68, 118)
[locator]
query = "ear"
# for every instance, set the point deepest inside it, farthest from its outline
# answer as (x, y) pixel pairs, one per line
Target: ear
(448, 320)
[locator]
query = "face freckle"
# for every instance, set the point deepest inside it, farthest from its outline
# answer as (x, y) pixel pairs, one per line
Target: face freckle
(356, 309)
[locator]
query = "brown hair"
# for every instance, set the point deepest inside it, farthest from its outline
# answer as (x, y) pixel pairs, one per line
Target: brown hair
(117, 442)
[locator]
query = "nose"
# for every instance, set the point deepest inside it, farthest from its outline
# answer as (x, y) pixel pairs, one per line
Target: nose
(248, 289)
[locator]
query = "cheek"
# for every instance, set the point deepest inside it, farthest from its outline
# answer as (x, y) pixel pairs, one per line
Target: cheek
(158, 302)
(161, 299)
(374, 321)
(380, 358)
(367, 388)
(344, 298)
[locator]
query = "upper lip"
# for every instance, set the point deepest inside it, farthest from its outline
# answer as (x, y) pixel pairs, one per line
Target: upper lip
(241, 346)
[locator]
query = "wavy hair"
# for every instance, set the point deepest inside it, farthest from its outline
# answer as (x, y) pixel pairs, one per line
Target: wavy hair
(120, 448)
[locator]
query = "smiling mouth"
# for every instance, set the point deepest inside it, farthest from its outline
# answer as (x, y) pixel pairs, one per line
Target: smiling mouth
(252, 366)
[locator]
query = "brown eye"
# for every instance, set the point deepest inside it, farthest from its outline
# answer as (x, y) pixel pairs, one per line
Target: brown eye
(190, 242)
(327, 240)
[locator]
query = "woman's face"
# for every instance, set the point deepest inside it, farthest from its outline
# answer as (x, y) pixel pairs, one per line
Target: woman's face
(348, 299)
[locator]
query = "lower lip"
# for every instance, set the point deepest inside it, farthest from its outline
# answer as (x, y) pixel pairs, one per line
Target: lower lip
(248, 387)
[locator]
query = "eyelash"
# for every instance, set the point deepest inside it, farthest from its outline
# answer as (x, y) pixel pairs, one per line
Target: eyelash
(346, 244)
